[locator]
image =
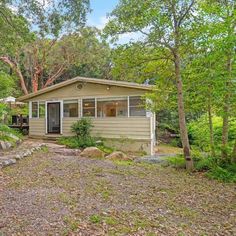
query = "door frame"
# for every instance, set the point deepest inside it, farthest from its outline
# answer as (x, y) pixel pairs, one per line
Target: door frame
(61, 115)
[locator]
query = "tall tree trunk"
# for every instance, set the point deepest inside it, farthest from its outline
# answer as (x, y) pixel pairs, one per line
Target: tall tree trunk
(212, 143)
(226, 108)
(181, 112)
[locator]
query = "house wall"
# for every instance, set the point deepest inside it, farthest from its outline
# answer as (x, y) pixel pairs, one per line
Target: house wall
(88, 90)
(132, 128)
(126, 133)
(37, 127)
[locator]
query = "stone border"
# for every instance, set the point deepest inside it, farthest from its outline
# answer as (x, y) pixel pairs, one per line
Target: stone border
(26, 153)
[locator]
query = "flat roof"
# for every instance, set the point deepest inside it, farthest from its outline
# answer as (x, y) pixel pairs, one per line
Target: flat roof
(86, 80)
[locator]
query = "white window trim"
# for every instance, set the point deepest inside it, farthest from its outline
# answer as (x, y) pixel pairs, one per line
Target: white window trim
(128, 113)
(110, 97)
(95, 107)
(30, 110)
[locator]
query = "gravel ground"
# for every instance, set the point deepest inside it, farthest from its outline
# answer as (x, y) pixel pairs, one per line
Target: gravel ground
(51, 194)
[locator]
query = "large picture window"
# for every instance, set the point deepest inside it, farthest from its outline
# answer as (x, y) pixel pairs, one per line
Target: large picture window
(89, 107)
(136, 106)
(112, 107)
(71, 108)
(34, 109)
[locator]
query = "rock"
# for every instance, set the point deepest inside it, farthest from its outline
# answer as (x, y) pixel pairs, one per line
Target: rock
(118, 156)
(2, 145)
(8, 162)
(92, 152)
(5, 145)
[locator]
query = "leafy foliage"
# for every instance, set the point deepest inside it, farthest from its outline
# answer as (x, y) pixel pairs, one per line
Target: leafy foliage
(75, 142)
(82, 127)
(200, 134)
(83, 139)
(222, 174)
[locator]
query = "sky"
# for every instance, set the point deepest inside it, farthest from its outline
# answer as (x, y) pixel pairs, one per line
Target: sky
(98, 18)
(100, 9)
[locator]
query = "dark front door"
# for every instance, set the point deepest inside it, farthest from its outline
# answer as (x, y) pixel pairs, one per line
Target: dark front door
(54, 118)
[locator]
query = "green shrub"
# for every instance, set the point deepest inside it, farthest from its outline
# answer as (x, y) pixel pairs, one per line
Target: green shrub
(82, 139)
(199, 133)
(82, 127)
(231, 167)
(5, 134)
(205, 164)
(176, 142)
(222, 174)
(77, 142)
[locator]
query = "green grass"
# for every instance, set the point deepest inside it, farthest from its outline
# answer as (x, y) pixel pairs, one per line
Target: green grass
(214, 168)
(176, 162)
(222, 174)
(95, 219)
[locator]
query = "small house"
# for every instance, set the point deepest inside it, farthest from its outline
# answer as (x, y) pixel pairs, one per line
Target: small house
(116, 108)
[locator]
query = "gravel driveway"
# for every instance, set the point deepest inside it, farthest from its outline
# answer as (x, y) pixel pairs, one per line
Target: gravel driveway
(52, 194)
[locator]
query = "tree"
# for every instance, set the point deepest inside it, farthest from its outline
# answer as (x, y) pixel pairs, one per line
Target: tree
(6, 85)
(45, 61)
(220, 21)
(48, 19)
(165, 25)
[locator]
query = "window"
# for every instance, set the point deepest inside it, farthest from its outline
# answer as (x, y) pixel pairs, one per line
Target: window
(136, 106)
(71, 108)
(34, 109)
(89, 107)
(112, 107)
(42, 110)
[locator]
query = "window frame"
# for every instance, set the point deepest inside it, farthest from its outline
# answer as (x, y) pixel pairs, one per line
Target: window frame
(95, 107)
(78, 107)
(114, 99)
(129, 107)
(40, 103)
(31, 110)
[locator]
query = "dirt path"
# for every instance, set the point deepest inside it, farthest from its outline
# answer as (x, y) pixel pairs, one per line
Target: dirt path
(51, 194)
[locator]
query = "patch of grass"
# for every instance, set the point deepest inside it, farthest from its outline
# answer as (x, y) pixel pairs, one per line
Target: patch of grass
(44, 149)
(71, 222)
(168, 149)
(177, 161)
(110, 220)
(107, 150)
(95, 219)
(123, 163)
(100, 187)
(222, 174)
(67, 199)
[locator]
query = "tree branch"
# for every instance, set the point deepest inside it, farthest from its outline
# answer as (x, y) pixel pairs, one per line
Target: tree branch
(15, 67)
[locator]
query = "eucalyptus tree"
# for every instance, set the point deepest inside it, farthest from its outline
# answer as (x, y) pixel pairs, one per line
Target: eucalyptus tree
(167, 25)
(48, 20)
(220, 24)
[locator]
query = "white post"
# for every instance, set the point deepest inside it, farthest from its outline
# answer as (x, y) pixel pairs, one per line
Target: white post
(128, 106)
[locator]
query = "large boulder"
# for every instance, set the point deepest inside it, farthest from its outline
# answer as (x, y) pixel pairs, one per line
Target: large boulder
(117, 155)
(92, 152)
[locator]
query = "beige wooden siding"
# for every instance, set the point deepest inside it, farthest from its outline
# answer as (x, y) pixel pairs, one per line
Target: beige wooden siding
(89, 90)
(133, 128)
(37, 126)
